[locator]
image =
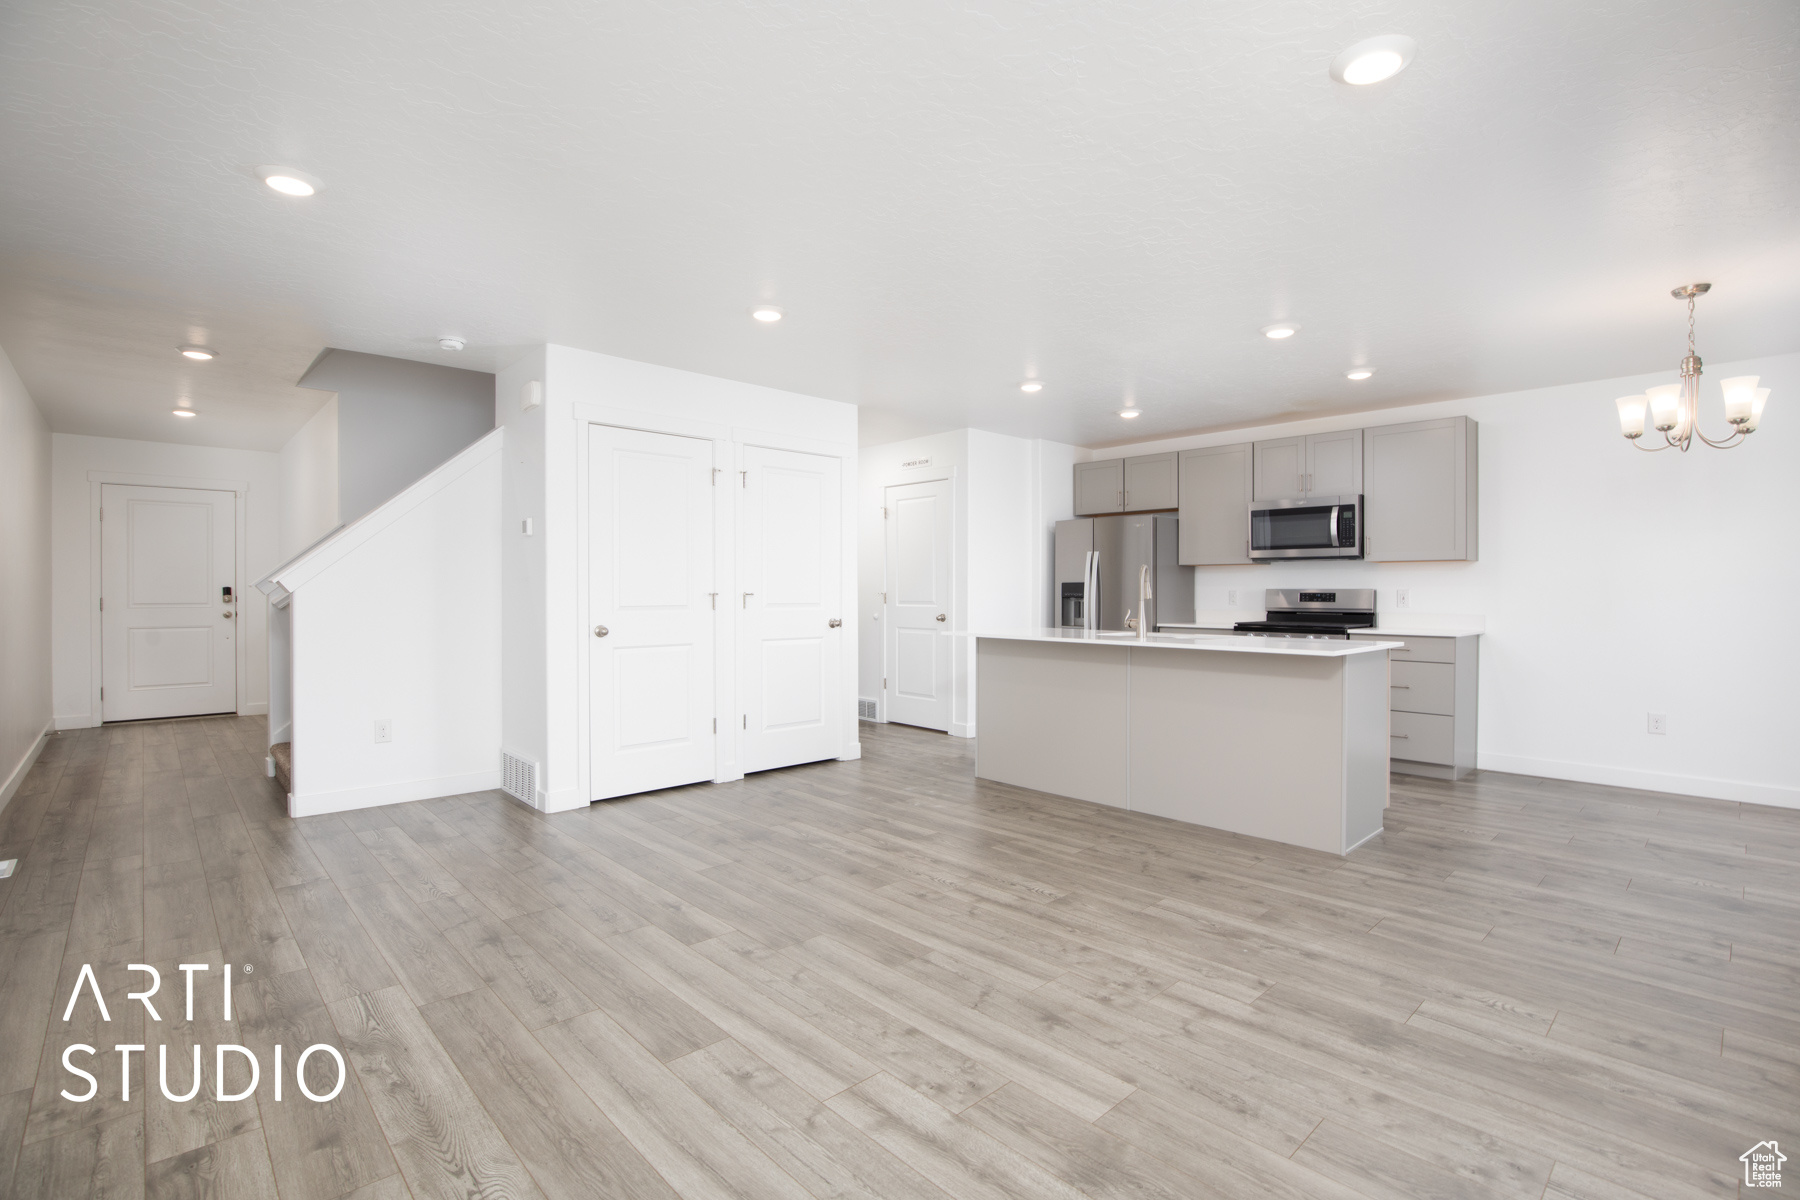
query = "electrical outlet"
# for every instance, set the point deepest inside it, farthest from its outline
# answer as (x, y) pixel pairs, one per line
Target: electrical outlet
(384, 731)
(1657, 722)
(1231, 598)
(1402, 598)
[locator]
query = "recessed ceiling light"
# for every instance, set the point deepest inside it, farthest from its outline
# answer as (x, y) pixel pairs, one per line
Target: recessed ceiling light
(768, 314)
(198, 353)
(1129, 413)
(184, 412)
(1032, 385)
(1285, 329)
(1373, 59)
(1359, 373)
(451, 343)
(288, 181)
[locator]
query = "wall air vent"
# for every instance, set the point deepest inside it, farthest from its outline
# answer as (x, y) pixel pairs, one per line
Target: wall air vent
(518, 778)
(865, 709)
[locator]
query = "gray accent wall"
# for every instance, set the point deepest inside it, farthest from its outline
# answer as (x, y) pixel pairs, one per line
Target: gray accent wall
(397, 420)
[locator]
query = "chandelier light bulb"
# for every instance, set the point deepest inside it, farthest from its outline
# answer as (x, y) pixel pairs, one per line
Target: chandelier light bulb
(1739, 392)
(1631, 415)
(1665, 406)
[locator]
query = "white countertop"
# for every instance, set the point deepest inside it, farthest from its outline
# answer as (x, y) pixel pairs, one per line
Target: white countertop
(1234, 644)
(1390, 628)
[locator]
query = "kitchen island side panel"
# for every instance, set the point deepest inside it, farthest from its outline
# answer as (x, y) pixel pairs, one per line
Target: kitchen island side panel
(1053, 718)
(1366, 730)
(1252, 744)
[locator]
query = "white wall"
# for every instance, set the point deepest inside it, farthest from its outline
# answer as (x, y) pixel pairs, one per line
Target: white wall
(309, 481)
(74, 459)
(397, 420)
(543, 618)
(424, 654)
(1008, 495)
(1612, 583)
(25, 709)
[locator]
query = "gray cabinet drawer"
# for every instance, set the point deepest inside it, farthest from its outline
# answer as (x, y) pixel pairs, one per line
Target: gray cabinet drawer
(1415, 649)
(1423, 687)
(1422, 737)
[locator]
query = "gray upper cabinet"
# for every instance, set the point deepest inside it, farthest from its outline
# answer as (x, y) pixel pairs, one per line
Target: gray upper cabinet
(1150, 482)
(1421, 491)
(1215, 506)
(1099, 487)
(1334, 463)
(1280, 469)
(1319, 464)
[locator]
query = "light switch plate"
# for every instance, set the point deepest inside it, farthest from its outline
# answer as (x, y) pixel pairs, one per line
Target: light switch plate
(1402, 598)
(384, 731)
(1657, 722)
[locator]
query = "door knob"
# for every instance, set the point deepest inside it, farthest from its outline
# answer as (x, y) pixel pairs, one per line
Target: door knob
(834, 622)
(228, 615)
(941, 616)
(601, 631)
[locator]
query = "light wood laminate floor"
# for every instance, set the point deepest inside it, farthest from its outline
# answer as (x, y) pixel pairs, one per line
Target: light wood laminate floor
(883, 979)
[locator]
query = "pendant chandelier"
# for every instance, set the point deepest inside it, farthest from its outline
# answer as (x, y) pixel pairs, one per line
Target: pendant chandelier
(1674, 408)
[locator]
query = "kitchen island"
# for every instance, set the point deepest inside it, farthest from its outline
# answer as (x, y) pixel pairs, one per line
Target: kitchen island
(1278, 738)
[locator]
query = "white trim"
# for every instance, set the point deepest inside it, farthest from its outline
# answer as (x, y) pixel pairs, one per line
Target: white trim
(646, 421)
(84, 720)
(322, 555)
(349, 799)
(1741, 791)
(240, 490)
(961, 729)
(254, 709)
(750, 436)
(17, 779)
(851, 754)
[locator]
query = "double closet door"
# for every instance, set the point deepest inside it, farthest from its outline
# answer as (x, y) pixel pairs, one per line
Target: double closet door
(671, 593)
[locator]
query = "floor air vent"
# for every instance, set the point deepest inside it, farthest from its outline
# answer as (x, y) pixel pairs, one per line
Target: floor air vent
(518, 777)
(865, 710)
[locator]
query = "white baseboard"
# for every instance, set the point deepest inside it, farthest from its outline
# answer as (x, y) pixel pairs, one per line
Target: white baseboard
(962, 729)
(315, 804)
(259, 708)
(77, 721)
(561, 800)
(16, 779)
(1650, 781)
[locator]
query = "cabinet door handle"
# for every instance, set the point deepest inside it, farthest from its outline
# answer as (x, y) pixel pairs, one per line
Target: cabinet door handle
(1121, 499)
(747, 596)
(1408, 736)
(1405, 687)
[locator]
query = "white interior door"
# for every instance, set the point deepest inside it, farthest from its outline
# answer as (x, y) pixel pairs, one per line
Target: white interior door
(650, 615)
(789, 609)
(916, 618)
(168, 566)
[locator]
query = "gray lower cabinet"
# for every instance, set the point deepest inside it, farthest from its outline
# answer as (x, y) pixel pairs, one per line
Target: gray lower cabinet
(1215, 506)
(1420, 491)
(1432, 698)
(1099, 487)
(1150, 482)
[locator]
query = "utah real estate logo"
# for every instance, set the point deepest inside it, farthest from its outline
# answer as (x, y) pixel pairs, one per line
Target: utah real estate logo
(1762, 1165)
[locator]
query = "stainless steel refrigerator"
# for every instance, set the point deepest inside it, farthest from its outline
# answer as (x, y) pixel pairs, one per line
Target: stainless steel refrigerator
(1098, 563)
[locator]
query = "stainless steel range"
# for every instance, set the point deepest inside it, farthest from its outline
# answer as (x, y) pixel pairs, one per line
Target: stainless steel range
(1314, 612)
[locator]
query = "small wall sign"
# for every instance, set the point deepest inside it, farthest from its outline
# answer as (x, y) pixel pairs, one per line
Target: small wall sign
(910, 463)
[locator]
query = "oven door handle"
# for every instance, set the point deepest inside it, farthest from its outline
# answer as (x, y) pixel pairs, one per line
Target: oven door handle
(1334, 527)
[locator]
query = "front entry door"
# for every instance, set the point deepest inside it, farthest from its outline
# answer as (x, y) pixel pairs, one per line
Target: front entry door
(916, 618)
(650, 615)
(789, 610)
(168, 569)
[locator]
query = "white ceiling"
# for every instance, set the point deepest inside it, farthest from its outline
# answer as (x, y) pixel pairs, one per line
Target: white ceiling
(944, 198)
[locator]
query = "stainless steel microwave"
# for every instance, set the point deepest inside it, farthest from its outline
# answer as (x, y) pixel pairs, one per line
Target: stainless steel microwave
(1316, 527)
